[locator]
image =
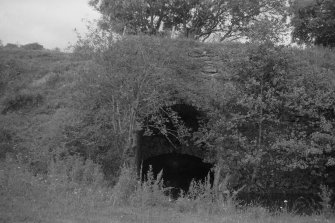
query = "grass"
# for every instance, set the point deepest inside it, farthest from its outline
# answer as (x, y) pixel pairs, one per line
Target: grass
(36, 91)
(72, 191)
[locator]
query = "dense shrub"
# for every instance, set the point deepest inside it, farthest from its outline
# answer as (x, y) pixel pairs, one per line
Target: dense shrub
(277, 125)
(127, 83)
(6, 142)
(150, 192)
(269, 112)
(12, 46)
(21, 101)
(32, 46)
(74, 171)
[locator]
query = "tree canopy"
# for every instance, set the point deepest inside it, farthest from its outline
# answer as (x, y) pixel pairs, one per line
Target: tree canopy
(314, 22)
(193, 18)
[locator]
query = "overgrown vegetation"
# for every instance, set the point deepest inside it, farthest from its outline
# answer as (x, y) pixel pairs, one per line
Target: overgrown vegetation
(313, 22)
(263, 122)
(67, 128)
(21, 101)
(201, 20)
(75, 193)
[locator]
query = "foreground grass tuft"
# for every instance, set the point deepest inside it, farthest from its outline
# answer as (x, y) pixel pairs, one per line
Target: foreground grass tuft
(72, 191)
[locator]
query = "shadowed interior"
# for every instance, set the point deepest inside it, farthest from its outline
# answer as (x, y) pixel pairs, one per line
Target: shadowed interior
(178, 170)
(180, 162)
(157, 143)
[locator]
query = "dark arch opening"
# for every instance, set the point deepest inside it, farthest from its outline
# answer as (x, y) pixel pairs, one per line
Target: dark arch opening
(180, 160)
(178, 170)
(190, 115)
(154, 142)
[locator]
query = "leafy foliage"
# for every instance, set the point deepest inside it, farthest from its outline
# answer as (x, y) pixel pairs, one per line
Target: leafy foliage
(135, 79)
(277, 122)
(314, 22)
(269, 112)
(193, 18)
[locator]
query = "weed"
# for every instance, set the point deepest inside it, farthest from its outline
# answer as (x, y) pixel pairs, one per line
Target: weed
(326, 194)
(204, 198)
(38, 167)
(302, 205)
(150, 192)
(125, 186)
(72, 172)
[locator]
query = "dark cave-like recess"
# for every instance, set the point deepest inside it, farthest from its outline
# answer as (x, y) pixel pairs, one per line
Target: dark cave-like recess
(189, 114)
(178, 170)
(156, 143)
(180, 162)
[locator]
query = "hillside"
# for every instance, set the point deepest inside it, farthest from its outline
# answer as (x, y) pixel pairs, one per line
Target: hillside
(46, 96)
(36, 91)
(264, 113)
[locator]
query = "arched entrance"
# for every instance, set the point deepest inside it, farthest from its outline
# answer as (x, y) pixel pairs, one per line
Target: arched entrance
(177, 155)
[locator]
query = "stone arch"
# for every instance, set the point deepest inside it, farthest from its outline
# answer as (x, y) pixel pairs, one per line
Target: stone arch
(182, 161)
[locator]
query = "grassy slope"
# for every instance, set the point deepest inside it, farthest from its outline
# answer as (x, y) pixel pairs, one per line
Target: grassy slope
(36, 128)
(36, 93)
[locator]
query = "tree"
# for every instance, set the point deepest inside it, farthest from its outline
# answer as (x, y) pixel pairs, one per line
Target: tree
(33, 46)
(12, 46)
(197, 19)
(244, 137)
(313, 22)
(275, 127)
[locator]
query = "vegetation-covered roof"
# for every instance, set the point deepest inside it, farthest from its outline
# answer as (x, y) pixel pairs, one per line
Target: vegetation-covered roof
(266, 106)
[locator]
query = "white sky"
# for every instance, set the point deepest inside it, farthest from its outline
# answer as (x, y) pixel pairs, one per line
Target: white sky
(48, 22)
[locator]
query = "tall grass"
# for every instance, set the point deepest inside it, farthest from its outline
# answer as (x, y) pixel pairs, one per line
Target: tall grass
(151, 191)
(69, 186)
(326, 194)
(73, 190)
